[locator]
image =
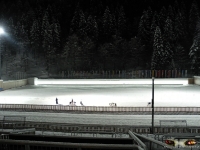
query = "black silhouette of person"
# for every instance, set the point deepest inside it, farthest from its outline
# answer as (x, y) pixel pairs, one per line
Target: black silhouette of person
(56, 100)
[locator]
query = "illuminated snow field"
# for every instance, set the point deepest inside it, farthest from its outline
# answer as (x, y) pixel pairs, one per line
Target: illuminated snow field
(138, 92)
(127, 92)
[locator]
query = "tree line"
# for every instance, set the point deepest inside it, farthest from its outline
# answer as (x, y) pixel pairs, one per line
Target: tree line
(99, 35)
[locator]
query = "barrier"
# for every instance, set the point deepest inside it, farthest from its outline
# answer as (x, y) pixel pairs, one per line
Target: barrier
(13, 121)
(4, 85)
(100, 128)
(31, 81)
(63, 108)
(123, 74)
(191, 81)
(12, 84)
(197, 80)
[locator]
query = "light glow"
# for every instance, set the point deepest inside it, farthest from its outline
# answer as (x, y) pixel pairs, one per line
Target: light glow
(178, 142)
(111, 81)
(1, 31)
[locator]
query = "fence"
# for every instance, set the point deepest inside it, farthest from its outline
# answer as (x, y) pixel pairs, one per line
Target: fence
(124, 74)
(20, 75)
(27, 107)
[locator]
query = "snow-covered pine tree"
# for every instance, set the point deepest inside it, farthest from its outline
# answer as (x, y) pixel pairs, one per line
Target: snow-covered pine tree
(158, 56)
(122, 28)
(169, 41)
(169, 31)
(82, 25)
(193, 18)
(180, 57)
(35, 35)
(171, 14)
(71, 53)
(154, 24)
(144, 34)
(195, 51)
(92, 28)
(179, 29)
(74, 25)
(195, 57)
(162, 17)
(56, 31)
(107, 27)
(24, 49)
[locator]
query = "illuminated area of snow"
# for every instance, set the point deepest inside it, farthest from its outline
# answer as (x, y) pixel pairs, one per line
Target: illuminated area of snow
(99, 92)
(110, 81)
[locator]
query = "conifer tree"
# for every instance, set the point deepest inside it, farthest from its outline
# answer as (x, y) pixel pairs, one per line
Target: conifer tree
(154, 24)
(47, 35)
(158, 56)
(74, 26)
(72, 53)
(92, 28)
(184, 17)
(55, 26)
(162, 17)
(136, 52)
(122, 23)
(193, 18)
(107, 25)
(195, 51)
(169, 42)
(82, 25)
(35, 34)
(179, 29)
(171, 13)
(144, 34)
(181, 58)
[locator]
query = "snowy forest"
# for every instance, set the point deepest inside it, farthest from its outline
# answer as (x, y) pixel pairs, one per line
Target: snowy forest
(45, 37)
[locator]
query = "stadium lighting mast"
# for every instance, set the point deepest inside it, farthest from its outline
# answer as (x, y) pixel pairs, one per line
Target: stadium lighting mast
(1, 33)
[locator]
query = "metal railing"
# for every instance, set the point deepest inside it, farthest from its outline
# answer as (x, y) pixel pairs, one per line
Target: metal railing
(40, 145)
(32, 107)
(124, 74)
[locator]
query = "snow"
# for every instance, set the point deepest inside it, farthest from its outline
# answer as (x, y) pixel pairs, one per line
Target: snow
(165, 94)
(133, 93)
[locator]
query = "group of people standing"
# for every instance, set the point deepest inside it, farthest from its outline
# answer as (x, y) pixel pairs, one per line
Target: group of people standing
(72, 103)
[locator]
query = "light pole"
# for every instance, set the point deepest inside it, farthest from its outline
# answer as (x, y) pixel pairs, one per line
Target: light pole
(152, 105)
(1, 32)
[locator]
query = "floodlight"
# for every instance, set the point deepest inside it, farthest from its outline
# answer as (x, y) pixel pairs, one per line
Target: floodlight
(1, 31)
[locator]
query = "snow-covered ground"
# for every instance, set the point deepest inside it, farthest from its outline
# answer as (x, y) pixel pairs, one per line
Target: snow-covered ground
(167, 93)
(138, 92)
(105, 119)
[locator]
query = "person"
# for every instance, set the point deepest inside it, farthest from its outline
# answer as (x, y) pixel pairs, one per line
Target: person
(56, 100)
(81, 103)
(149, 104)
